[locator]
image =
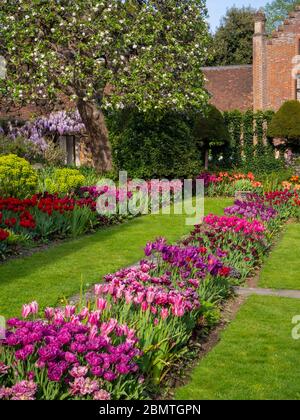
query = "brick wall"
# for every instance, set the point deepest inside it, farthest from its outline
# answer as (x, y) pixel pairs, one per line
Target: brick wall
(25, 113)
(273, 82)
(231, 87)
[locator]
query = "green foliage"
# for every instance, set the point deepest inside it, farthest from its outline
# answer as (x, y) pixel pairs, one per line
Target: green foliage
(20, 147)
(54, 155)
(232, 43)
(64, 180)
(17, 177)
(72, 223)
(246, 154)
(90, 174)
(210, 129)
(272, 181)
(150, 145)
(151, 52)
(286, 122)
(277, 10)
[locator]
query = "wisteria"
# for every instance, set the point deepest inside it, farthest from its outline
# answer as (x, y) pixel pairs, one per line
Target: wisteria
(57, 123)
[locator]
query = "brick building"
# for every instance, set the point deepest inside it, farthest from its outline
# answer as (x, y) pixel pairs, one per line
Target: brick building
(274, 76)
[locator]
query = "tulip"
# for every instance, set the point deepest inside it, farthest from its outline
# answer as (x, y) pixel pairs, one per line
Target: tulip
(26, 311)
(144, 306)
(49, 313)
(164, 313)
(101, 304)
(94, 317)
(69, 311)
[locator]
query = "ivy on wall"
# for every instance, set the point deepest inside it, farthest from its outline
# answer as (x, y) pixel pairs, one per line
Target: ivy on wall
(250, 147)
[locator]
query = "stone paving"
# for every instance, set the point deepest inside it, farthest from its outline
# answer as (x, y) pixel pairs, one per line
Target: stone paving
(244, 291)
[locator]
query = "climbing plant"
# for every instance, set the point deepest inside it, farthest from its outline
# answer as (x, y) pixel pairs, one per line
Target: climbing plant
(250, 146)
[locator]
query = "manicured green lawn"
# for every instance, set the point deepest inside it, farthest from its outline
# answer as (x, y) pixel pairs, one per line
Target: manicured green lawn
(59, 271)
(256, 358)
(282, 268)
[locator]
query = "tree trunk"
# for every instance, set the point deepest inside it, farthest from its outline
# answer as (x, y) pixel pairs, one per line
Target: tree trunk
(97, 140)
(206, 159)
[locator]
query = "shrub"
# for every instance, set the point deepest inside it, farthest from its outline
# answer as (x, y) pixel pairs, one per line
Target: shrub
(153, 146)
(17, 177)
(210, 131)
(54, 155)
(64, 180)
(286, 122)
(21, 147)
(261, 160)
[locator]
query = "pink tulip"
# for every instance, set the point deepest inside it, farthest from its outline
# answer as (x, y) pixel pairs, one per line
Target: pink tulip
(153, 310)
(59, 316)
(98, 289)
(150, 296)
(101, 304)
(94, 317)
(178, 310)
(128, 297)
(84, 313)
(144, 306)
(108, 327)
(26, 311)
(93, 332)
(34, 307)
(164, 313)
(49, 313)
(69, 311)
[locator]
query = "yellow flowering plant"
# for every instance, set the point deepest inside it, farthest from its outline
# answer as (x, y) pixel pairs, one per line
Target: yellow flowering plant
(17, 177)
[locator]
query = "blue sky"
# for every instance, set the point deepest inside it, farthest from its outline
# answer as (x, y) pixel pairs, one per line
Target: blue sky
(217, 8)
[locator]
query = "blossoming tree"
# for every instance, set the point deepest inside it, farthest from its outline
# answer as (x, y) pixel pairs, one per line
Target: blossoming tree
(104, 54)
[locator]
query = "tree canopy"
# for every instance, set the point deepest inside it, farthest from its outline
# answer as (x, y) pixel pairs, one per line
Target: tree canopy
(286, 122)
(104, 54)
(233, 40)
(210, 131)
(277, 10)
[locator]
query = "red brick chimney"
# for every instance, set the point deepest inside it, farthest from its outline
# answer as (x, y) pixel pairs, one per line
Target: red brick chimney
(259, 63)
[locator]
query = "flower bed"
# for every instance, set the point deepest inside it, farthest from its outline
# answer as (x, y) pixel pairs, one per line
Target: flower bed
(227, 184)
(47, 217)
(122, 344)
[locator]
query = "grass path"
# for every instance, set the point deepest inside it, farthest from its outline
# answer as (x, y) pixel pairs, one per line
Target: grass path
(282, 268)
(256, 358)
(49, 275)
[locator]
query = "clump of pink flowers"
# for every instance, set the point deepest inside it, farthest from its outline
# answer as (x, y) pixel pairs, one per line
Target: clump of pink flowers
(23, 390)
(79, 350)
(137, 287)
(234, 224)
(186, 262)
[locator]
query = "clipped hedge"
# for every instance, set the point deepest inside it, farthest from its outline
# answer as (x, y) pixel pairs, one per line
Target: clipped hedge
(286, 122)
(154, 146)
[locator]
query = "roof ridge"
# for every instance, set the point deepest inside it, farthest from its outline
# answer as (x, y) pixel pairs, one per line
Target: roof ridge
(227, 67)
